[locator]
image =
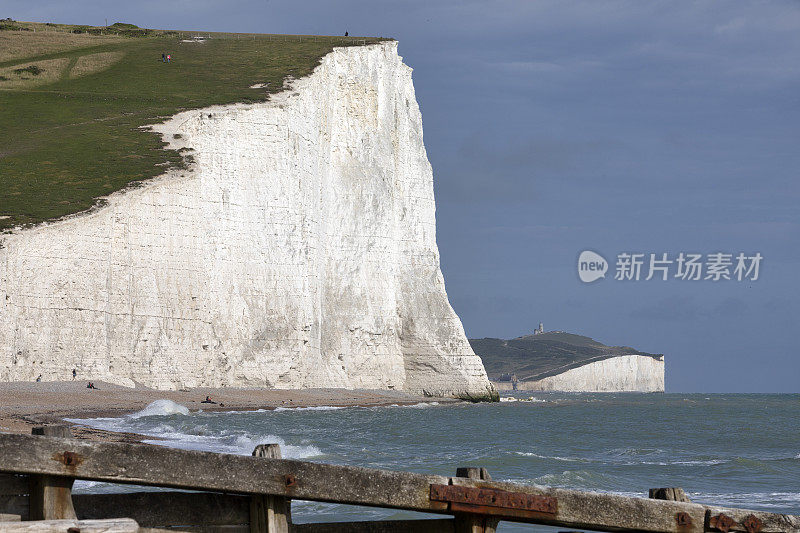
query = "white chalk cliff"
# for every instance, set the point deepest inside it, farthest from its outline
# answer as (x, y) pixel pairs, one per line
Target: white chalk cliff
(623, 373)
(299, 250)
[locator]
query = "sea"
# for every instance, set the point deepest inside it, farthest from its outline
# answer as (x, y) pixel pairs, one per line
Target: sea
(740, 450)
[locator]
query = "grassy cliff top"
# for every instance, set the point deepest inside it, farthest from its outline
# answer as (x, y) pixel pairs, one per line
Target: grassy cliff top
(534, 357)
(72, 100)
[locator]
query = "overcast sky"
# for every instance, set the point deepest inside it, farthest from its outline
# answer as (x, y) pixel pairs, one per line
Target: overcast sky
(559, 126)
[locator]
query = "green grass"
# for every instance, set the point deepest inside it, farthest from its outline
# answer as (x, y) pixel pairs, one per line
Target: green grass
(67, 143)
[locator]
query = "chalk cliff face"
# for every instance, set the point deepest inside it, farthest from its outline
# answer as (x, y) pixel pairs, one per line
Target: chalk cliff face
(298, 251)
(624, 373)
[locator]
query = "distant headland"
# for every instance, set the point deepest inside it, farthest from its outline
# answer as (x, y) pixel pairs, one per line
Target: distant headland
(561, 361)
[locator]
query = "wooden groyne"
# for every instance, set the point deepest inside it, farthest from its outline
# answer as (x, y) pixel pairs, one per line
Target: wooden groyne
(238, 494)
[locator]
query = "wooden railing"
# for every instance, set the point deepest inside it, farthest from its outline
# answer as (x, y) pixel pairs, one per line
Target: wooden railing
(237, 493)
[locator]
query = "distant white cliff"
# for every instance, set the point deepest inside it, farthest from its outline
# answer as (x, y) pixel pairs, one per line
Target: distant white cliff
(622, 373)
(298, 251)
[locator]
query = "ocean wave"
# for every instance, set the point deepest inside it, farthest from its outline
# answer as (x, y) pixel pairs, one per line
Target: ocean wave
(192, 433)
(237, 444)
(765, 500)
(162, 407)
(634, 452)
(615, 460)
(314, 408)
(531, 399)
(577, 479)
(554, 457)
(420, 405)
(710, 462)
(586, 480)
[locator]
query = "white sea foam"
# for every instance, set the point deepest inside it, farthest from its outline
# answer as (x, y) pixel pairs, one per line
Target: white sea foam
(421, 405)
(192, 432)
(554, 457)
(240, 411)
(314, 408)
(709, 462)
(238, 444)
(531, 399)
(634, 452)
(233, 442)
(765, 500)
(162, 407)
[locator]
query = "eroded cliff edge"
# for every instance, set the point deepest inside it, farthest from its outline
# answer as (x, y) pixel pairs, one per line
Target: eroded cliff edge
(298, 251)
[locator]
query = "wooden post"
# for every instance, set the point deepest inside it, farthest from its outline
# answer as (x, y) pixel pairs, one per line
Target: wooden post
(675, 494)
(269, 514)
(51, 496)
(471, 523)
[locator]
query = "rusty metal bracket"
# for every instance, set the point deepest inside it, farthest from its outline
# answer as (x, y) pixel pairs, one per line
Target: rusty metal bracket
(683, 520)
(722, 522)
(494, 502)
(752, 524)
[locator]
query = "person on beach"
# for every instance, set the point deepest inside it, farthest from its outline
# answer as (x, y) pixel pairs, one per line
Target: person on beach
(39, 379)
(346, 34)
(163, 58)
(169, 58)
(208, 400)
(74, 373)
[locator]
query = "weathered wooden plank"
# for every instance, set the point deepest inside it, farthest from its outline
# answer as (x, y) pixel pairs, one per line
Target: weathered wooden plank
(154, 509)
(435, 525)
(116, 525)
(606, 512)
(9, 518)
(269, 514)
(51, 496)
(726, 519)
(14, 485)
(152, 465)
